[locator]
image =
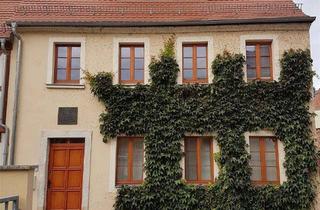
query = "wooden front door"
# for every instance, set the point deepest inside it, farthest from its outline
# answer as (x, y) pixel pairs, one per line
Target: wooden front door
(64, 189)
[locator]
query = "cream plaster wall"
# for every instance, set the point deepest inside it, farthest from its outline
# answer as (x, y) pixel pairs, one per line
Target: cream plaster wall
(38, 104)
(17, 182)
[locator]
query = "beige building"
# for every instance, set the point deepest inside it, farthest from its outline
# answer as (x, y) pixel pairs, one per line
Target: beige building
(51, 115)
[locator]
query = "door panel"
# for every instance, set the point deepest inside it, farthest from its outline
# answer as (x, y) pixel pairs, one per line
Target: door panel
(65, 174)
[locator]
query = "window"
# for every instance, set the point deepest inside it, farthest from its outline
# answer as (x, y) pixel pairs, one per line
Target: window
(129, 167)
(67, 64)
(131, 64)
(195, 63)
(259, 61)
(264, 160)
(198, 160)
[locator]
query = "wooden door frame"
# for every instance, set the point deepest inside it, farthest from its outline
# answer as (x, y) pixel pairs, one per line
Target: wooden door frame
(46, 135)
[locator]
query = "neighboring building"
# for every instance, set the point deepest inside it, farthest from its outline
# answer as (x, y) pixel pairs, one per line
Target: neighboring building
(315, 104)
(55, 125)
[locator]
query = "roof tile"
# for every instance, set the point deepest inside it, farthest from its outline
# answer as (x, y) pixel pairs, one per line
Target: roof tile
(141, 10)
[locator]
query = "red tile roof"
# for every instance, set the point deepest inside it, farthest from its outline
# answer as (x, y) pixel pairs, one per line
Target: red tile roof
(113, 12)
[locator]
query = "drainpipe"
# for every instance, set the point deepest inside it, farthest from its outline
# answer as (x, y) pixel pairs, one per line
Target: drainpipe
(5, 135)
(16, 93)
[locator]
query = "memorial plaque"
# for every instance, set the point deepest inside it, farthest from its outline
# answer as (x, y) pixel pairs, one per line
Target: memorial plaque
(68, 116)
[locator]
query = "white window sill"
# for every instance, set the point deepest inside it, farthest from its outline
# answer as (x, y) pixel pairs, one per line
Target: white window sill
(65, 86)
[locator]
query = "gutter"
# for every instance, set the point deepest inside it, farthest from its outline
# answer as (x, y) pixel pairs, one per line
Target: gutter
(302, 19)
(5, 135)
(16, 94)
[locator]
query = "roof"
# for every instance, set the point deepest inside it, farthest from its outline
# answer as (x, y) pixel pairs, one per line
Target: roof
(146, 12)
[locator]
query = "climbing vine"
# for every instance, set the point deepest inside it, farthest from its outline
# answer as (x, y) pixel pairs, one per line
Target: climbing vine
(163, 112)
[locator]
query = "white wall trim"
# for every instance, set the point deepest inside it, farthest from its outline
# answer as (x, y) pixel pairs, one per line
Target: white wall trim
(147, 56)
(112, 165)
(281, 152)
(189, 39)
(44, 157)
(275, 51)
(51, 43)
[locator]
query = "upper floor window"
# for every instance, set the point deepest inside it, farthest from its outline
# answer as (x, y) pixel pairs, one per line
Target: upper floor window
(131, 64)
(198, 160)
(195, 63)
(67, 63)
(129, 166)
(259, 61)
(264, 160)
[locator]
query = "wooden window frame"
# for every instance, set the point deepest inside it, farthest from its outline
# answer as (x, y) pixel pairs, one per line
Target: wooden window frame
(194, 63)
(130, 180)
(257, 44)
(132, 47)
(68, 68)
(198, 151)
(264, 180)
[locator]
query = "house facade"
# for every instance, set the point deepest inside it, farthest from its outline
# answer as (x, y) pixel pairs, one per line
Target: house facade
(54, 119)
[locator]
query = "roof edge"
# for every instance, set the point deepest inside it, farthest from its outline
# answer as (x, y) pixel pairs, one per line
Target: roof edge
(303, 19)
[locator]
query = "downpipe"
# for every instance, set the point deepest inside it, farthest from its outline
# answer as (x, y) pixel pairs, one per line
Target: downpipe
(16, 94)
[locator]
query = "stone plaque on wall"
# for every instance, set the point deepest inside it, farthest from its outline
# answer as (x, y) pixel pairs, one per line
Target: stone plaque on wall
(68, 116)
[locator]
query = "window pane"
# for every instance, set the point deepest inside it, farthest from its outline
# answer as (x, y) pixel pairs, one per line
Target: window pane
(62, 51)
(265, 61)
(191, 159)
(61, 74)
(139, 63)
(62, 63)
(251, 62)
(271, 174)
(125, 52)
(271, 159)
(254, 145)
(255, 162)
(122, 160)
(264, 50)
(75, 74)
(139, 52)
(201, 63)
(256, 173)
(137, 159)
(205, 159)
(76, 52)
(270, 144)
(250, 51)
(138, 74)
(265, 72)
(187, 74)
(187, 63)
(202, 73)
(187, 52)
(201, 52)
(251, 73)
(255, 159)
(125, 74)
(125, 63)
(75, 63)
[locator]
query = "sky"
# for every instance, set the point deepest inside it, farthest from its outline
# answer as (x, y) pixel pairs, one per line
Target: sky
(312, 8)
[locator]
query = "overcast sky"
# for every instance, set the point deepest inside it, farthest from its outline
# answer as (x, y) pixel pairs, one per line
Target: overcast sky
(312, 8)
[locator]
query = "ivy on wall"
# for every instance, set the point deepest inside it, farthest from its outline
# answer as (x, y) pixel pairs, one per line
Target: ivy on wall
(163, 112)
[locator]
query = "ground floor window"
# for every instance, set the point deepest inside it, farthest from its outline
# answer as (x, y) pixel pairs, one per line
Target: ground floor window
(264, 160)
(198, 160)
(129, 166)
